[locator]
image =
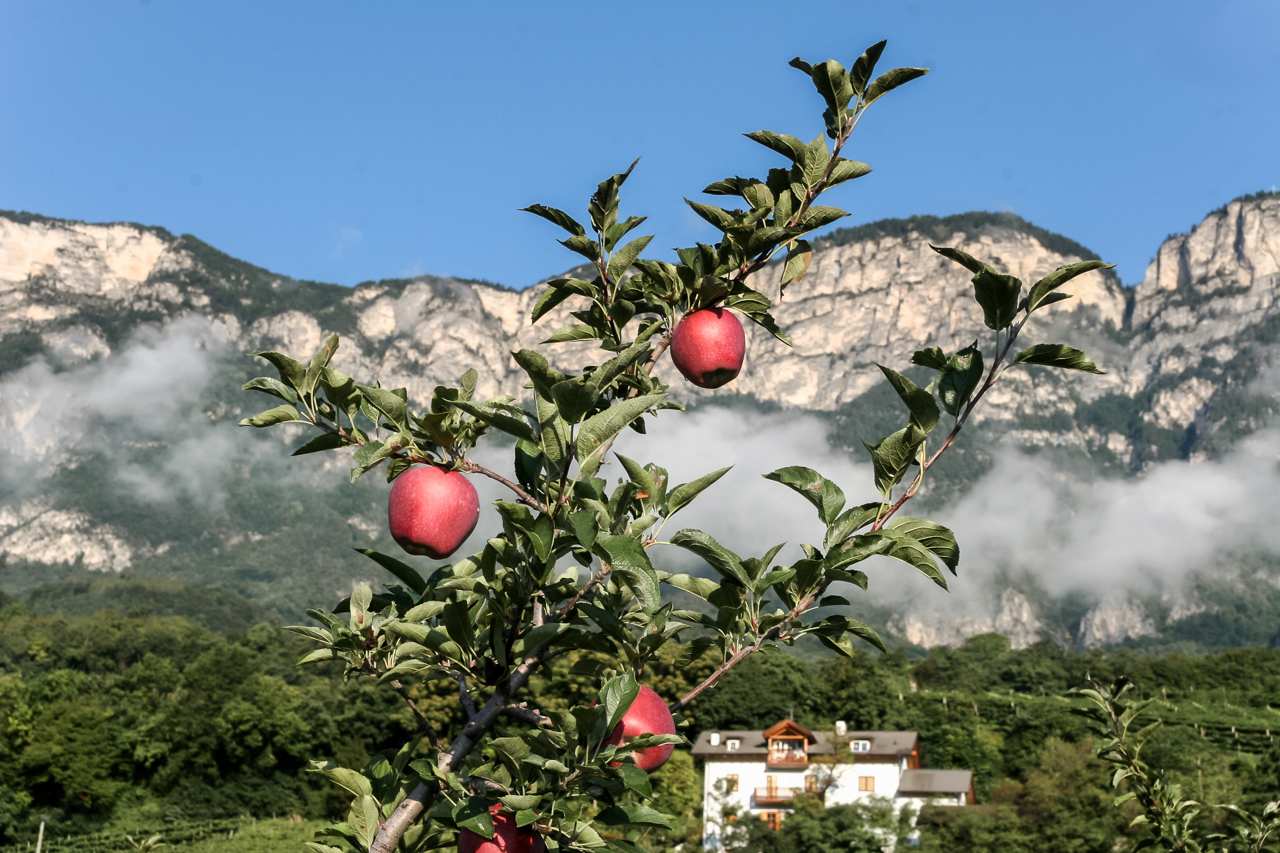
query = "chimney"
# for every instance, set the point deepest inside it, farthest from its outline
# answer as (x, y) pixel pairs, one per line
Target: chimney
(715, 738)
(841, 728)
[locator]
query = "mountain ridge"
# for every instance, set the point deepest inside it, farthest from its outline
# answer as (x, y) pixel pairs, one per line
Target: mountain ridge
(1189, 353)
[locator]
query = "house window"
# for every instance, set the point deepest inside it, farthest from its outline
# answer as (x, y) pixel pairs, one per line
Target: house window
(773, 819)
(731, 784)
(867, 783)
(732, 744)
(811, 784)
(860, 746)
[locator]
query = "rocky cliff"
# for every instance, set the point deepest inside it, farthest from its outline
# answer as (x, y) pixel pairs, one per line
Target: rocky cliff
(1188, 355)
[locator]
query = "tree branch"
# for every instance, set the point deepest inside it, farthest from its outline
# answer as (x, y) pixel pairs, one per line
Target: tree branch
(992, 376)
(468, 703)
(587, 587)
(475, 468)
(737, 658)
(411, 807)
(525, 714)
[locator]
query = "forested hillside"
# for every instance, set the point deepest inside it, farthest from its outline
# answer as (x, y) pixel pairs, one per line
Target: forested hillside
(128, 721)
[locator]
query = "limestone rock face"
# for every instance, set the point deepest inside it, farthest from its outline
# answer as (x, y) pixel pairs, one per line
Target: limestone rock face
(1014, 617)
(1188, 352)
(1114, 620)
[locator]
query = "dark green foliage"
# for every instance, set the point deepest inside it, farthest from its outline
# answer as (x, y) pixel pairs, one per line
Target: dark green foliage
(18, 348)
(111, 718)
(813, 827)
(212, 608)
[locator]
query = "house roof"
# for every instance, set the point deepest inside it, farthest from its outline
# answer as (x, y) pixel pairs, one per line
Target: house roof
(935, 782)
(788, 728)
(754, 743)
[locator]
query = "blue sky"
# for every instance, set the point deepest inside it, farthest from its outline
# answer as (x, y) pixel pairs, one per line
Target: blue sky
(351, 141)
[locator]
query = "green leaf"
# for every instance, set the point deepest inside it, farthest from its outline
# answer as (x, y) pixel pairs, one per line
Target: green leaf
(683, 495)
(832, 84)
(1057, 355)
(891, 80)
(629, 561)
(498, 419)
(290, 371)
(473, 814)
(851, 520)
(931, 357)
(694, 650)
(318, 363)
(701, 587)
(907, 549)
(939, 540)
(616, 697)
(799, 257)
(584, 246)
(282, 414)
(797, 62)
(959, 378)
(816, 157)
(389, 403)
(642, 815)
(856, 549)
(998, 295)
(625, 257)
(820, 215)
(404, 573)
(344, 778)
(559, 217)
(825, 495)
(892, 455)
(720, 558)
(846, 170)
(969, 262)
(542, 533)
(573, 332)
(924, 411)
(601, 427)
(786, 145)
(574, 398)
(558, 291)
(1057, 278)
(324, 441)
(862, 70)
(718, 217)
(274, 387)
(363, 819)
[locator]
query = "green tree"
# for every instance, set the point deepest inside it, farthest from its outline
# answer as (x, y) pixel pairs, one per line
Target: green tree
(488, 622)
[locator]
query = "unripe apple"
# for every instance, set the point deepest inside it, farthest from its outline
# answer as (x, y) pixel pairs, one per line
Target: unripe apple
(507, 837)
(432, 511)
(708, 346)
(647, 715)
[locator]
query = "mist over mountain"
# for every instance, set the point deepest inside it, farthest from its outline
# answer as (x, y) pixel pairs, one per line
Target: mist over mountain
(1132, 507)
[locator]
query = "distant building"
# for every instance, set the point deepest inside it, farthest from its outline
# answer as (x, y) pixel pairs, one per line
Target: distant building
(764, 771)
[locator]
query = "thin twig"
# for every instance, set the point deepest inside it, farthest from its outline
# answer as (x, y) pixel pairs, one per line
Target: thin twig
(526, 714)
(587, 587)
(466, 465)
(737, 658)
(992, 376)
(424, 728)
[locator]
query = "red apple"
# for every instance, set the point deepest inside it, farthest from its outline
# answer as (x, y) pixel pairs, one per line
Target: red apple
(708, 346)
(507, 837)
(432, 511)
(647, 715)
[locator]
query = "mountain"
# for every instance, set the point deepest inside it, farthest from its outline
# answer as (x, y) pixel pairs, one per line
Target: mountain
(120, 361)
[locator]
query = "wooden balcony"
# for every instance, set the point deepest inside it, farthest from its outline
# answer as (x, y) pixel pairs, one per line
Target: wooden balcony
(788, 758)
(776, 796)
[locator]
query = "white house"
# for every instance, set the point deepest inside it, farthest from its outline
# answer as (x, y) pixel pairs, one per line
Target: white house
(762, 772)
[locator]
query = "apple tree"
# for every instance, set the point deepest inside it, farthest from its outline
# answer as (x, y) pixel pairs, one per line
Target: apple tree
(571, 569)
